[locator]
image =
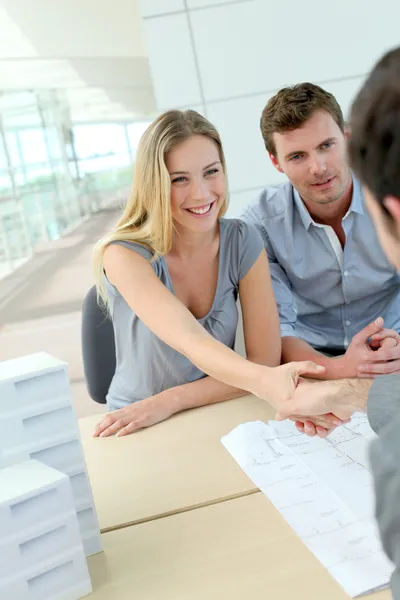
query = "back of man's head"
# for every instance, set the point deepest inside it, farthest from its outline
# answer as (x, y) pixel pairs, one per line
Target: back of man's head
(374, 145)
(292, 106)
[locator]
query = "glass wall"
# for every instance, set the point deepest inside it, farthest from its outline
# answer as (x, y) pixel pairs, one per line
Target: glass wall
(54, 174)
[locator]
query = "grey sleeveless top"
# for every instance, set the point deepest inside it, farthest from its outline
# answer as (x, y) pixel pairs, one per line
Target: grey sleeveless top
(145, 365)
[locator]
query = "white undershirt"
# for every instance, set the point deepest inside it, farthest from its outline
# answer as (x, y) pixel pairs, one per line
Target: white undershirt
(338, 250)
(334, 241)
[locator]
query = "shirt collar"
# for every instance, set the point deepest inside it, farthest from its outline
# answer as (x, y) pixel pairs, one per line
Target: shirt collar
(304, 214)
(356, 205)
(357, 201)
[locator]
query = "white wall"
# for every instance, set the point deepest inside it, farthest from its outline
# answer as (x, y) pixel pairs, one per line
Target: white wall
(94, 49)
(225, 58)
(77, 28)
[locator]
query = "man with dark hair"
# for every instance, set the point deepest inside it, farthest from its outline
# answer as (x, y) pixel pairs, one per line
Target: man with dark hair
(374, 151)
(332, 280)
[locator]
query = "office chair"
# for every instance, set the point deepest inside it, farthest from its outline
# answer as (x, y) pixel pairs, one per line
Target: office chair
(98, 348)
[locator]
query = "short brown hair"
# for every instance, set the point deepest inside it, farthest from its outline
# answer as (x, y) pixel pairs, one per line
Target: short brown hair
(292, 106)
(374, 145)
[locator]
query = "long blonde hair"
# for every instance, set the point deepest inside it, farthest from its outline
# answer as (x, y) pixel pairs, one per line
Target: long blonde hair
(147, 217)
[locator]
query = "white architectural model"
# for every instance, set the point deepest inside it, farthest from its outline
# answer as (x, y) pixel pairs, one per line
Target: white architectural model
(38, 421)
(41, 552)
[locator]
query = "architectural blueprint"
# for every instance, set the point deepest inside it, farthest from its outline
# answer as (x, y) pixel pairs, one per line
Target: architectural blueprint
(324, 490)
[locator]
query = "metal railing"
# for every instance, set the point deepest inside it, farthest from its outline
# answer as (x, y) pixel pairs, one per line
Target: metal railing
(47, 213)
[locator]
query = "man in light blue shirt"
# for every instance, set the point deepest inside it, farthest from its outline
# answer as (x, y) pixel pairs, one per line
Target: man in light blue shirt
(331, 277)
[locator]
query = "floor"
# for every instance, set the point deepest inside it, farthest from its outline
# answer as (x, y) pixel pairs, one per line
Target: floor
(40, 303)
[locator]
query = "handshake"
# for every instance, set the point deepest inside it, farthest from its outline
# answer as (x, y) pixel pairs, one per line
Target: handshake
(317, 407)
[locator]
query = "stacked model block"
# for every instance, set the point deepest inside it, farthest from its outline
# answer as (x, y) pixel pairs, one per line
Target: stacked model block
(41, 552)
(38, 421)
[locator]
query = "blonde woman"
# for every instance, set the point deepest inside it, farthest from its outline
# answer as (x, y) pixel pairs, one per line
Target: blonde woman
(170, 274)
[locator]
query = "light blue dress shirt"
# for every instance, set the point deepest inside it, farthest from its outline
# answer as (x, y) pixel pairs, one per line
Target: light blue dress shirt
(325, 295)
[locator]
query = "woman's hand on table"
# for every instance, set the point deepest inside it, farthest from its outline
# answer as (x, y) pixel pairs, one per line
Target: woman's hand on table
(133, 417)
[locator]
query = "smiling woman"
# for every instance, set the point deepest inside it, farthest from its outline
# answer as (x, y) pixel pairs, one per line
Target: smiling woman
(199, 191)
(171, 273)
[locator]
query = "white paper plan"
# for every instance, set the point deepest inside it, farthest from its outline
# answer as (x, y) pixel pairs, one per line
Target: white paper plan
(324, 489)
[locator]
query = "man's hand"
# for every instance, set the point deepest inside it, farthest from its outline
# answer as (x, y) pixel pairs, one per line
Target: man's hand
(321, 426)
(386, 346)
(363, 359)
(340, 398)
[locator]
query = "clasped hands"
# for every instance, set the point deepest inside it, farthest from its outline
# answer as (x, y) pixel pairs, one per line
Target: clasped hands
(318, 407)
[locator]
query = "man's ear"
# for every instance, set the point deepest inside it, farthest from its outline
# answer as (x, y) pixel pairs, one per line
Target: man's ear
(392, 204)
(346, 131)
(275, 162)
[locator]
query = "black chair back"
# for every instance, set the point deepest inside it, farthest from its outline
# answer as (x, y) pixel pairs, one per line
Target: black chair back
(98, 348)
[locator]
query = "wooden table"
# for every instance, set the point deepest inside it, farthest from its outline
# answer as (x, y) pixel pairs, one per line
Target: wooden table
(174, 466)
(237, 549)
